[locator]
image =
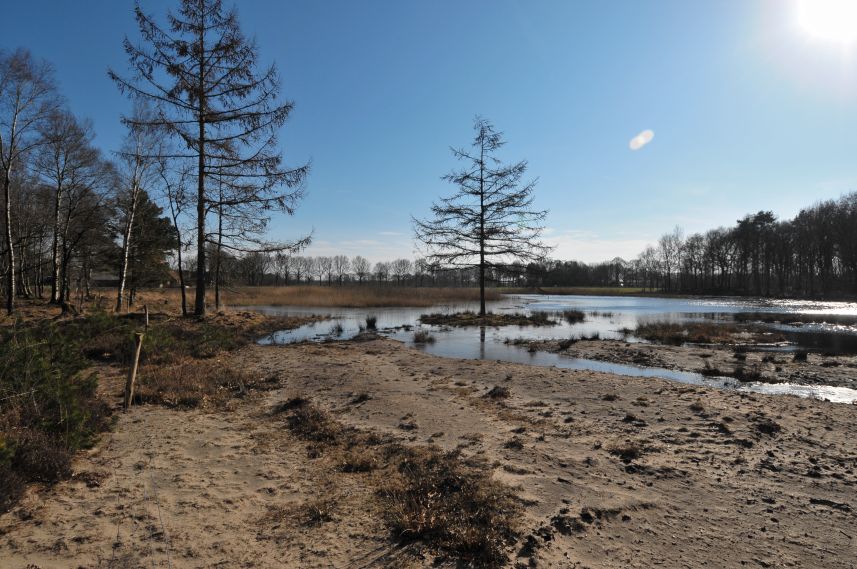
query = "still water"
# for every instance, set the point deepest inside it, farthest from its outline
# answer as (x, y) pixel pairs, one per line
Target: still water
(608, 317)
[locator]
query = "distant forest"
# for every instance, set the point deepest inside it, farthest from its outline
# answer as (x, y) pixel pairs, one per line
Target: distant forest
(813, 255)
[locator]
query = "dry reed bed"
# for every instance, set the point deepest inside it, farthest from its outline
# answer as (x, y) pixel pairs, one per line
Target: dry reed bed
(352, 296)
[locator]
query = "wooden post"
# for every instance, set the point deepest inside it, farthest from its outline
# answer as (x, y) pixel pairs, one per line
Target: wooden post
(132, 374)
(146, 310)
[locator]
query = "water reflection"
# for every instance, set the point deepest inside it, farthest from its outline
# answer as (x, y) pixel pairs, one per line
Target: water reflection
(606, 317)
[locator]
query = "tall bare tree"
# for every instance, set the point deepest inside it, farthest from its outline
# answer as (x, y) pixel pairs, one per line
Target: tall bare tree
(490, 221)
(362, 267)
(341, 266)
(27, 97)
(65, 158)
(138, 158)
(202, 73)
(401, 268)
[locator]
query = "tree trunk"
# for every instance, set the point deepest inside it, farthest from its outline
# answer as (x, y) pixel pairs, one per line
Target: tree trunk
(217, 260)
(126, 248)
(199, 305)
(55, 261)
(10, 248)
(482, 231)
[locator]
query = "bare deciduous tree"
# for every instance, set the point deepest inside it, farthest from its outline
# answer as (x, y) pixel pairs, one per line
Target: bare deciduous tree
(401, 268)
(490, 221)
(138, 158)
(341, 266)
(382, 271)
(361, 266)
(27, 98)
(66, 153)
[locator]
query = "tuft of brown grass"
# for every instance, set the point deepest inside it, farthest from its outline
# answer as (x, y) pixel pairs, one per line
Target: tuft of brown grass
(573, 316)
(438, 499)
(309, 514)
(498, 392)
(191, 384)
(310, 423)
(450, 506)
(423, 337)
(677, 334)
(626, 451)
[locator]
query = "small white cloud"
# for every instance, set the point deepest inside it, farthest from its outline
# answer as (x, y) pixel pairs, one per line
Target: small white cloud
(641, 139)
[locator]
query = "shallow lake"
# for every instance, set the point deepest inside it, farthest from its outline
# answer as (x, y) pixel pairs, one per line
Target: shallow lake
(607, 317)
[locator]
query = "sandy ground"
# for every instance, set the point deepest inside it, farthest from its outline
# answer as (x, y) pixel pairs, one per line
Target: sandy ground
(722, 479)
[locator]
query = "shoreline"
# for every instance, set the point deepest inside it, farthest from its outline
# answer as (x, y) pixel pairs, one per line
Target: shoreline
(745, 365)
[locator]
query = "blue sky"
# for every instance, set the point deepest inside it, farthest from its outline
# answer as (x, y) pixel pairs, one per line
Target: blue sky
(749, 110)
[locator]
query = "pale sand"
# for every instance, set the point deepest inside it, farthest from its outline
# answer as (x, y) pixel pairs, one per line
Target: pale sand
(198, 485)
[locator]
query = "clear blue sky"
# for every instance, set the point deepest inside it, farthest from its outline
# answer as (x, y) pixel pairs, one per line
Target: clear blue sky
(749, 110)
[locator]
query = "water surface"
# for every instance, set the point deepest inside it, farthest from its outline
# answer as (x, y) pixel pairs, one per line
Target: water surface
(608, 317)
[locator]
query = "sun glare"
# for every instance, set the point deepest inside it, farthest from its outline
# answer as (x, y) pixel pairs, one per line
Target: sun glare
(829, 20)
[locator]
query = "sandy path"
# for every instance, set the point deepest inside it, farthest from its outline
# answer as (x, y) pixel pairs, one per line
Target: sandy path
(226, 488)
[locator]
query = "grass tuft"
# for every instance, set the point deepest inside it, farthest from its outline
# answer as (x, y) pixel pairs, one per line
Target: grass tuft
(573, 316)
(423, 337)
(437, 499)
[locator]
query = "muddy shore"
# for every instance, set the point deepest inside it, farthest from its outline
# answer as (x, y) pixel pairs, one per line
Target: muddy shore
(748, 363)
(611, 471)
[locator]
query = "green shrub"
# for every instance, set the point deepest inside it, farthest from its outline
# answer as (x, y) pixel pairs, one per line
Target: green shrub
(48, 406)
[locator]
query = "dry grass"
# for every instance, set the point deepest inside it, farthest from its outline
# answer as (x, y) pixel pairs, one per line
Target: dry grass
(450, 505)
(473, 319)
(574, 316)
(191, 384)
(678, 334)
(786, 318)
(352, 296)
(423, 337)
(436, 500)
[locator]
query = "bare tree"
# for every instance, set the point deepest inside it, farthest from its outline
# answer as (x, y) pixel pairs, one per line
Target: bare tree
(201, 72)
(138, 158)
(303, 268)
(311, 268)
(490, 221)
(341, 266)
(325, 269)
(401, 268)
(283, 266)
(66, 152)
(382, 271)
(27, 97)
(669, 248)
(362, 267)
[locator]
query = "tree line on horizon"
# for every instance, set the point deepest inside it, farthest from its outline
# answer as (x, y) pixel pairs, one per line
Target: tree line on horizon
(813, 255)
